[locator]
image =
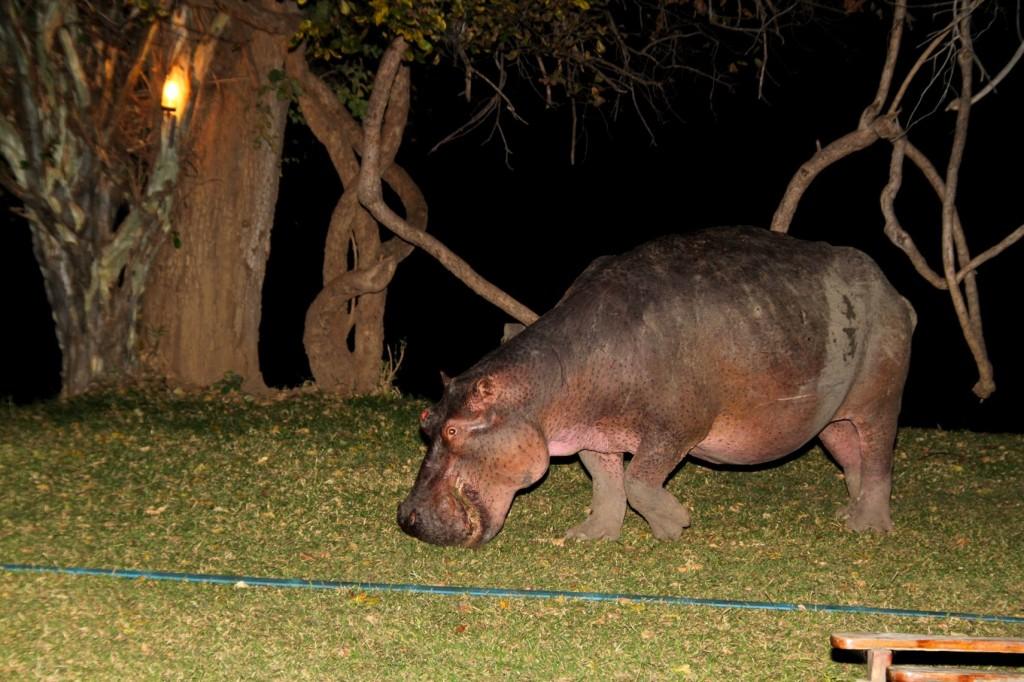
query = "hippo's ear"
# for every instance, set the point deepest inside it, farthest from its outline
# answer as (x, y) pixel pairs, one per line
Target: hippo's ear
(483, 394)
(445, 380)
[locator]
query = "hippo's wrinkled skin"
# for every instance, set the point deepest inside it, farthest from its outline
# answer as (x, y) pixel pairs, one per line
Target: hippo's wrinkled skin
(735, 345)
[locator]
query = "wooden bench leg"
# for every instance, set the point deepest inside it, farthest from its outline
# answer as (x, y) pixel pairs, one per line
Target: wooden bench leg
(879, 661)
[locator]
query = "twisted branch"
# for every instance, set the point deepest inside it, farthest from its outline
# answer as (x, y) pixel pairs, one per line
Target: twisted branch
(371, 193)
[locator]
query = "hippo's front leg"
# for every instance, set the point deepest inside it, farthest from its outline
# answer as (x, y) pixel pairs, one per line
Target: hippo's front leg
(608, 505)
(644, 490)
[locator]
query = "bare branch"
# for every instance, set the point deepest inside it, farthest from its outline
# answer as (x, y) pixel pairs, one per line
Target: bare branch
(499, 89)
(888, 69)
(921, 60)
(395, 118)
(986, 384)
(133, 76)
(548, 99)
(475, 121)
(763, 70)
(371, 194)
(935, 180)
(893, 229)
(954, 105)
(415, 205)
(990, 253)
(572, 138)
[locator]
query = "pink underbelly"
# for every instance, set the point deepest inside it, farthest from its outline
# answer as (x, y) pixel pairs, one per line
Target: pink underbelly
(749, 445)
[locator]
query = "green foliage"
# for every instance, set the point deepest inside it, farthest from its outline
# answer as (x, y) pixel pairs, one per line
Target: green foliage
(594, 53)
(231, 382)
(149, 8)
(342, 29)
(348, 37)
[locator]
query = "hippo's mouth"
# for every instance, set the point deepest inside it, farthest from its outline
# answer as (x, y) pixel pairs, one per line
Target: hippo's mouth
(468, 500)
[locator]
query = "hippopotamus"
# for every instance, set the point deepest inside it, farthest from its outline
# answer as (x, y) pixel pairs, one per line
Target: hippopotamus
(732, 345)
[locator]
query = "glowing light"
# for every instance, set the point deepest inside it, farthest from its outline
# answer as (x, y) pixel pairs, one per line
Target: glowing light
(173, 95)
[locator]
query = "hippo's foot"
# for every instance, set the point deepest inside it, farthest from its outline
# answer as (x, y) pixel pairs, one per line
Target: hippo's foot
(595, 528)
(861, 517)
(666, 517)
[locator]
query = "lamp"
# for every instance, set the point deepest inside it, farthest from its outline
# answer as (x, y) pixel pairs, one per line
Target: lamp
(172, 99)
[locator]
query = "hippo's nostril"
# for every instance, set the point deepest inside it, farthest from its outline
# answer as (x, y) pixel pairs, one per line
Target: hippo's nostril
(406, 516)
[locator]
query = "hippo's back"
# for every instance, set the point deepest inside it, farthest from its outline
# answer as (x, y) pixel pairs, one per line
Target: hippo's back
(749, 324)
(745, 278)
(721, 263)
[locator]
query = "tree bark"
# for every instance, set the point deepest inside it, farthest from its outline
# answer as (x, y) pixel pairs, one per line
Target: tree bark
(94, 325)
(201, 312)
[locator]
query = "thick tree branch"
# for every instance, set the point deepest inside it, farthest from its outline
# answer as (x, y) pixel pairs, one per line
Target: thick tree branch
(371, 193)
(395, 117)
(339, 132)
(869, 130)
(415, 205)
(810, 169)
(332, 124)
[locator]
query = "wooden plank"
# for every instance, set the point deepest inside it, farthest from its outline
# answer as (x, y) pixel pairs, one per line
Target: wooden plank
(907, 642)
(879, 661)
(909, 673)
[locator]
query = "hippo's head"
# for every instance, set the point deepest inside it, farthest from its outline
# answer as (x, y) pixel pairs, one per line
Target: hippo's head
(482, 450)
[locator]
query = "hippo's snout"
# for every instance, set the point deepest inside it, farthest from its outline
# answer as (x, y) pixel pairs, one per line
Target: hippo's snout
(451, 520)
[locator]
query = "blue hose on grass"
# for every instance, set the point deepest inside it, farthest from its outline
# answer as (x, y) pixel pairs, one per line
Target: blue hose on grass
(508, 593)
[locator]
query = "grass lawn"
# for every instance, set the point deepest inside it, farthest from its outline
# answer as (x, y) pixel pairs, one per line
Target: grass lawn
(307, 487)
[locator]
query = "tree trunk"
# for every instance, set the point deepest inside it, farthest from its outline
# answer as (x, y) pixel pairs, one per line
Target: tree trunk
(94, 323)
(201, 311)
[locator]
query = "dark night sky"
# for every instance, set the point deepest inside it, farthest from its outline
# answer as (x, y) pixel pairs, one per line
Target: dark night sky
(533, 228)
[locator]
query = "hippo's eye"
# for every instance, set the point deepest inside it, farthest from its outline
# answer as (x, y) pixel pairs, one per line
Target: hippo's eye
(450, 432)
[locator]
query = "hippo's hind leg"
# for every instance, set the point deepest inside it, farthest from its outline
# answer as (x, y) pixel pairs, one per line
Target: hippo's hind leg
(863, 448)
(608, 505)
(644, 478)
